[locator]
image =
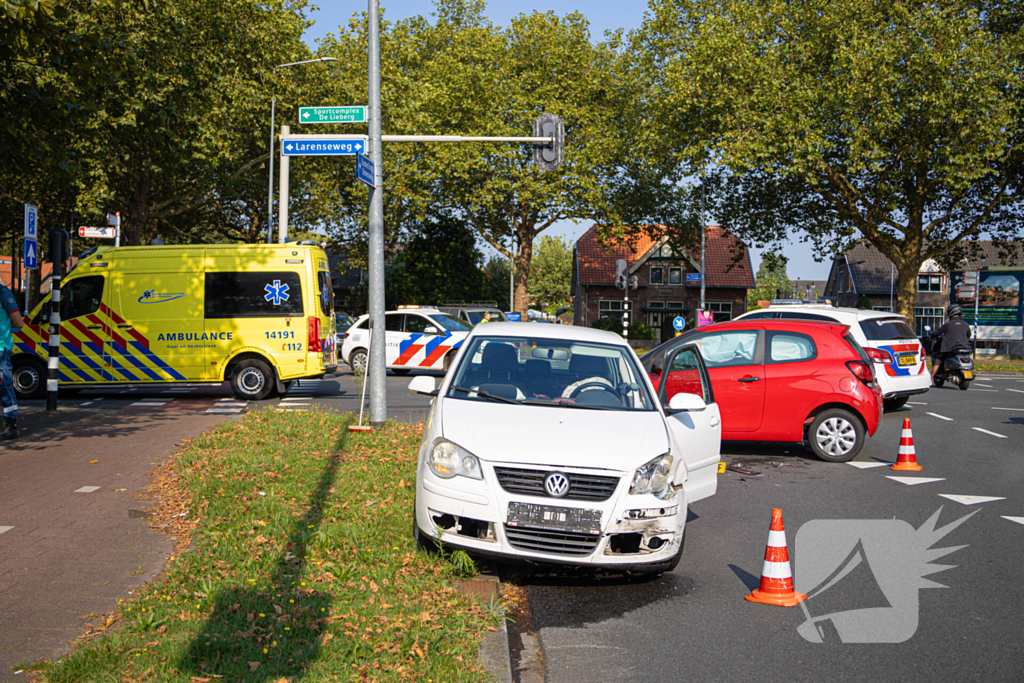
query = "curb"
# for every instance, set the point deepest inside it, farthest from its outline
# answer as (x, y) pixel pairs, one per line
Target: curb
(494, 651)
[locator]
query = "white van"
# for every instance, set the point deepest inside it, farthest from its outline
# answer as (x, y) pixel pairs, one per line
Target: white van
(899, 359)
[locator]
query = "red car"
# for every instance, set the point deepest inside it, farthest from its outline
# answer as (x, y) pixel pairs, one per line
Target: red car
(777, 380)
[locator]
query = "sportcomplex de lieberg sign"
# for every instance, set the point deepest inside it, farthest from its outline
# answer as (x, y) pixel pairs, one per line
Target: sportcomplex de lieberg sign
(1000, 310)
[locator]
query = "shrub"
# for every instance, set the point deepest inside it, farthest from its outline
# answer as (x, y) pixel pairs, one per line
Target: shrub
(608, 323)
(638, 329)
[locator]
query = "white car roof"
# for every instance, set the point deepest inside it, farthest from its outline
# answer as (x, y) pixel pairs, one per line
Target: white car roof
(841, 314)
(566, 332)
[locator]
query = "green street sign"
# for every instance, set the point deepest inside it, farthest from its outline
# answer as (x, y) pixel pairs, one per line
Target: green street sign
(354, 114)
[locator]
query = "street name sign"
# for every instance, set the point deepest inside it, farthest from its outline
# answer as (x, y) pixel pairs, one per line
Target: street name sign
(693, 277)
(31, 222)
(334, 146)
(84, 231)
(31, 255)
(966, 291)
(364, 169)
(355, 114)
(970, 277)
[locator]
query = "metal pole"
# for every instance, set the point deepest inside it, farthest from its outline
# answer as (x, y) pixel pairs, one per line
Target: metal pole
(282, 200)
(977, 301)
(53, 343)
(511, 278)
(270, 189)
(377, 362)
(117, 235)
(703, 233)
(892, 283)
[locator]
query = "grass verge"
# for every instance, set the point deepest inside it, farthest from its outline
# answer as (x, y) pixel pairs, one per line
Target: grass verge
(301, 565)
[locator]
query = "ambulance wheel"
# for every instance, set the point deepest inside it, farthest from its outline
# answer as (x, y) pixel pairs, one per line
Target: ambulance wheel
(252, 380)
(29, 377)
(400, 372)
(357, 361)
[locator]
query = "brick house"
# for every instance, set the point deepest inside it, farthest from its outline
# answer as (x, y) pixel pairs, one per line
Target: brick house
(663, 291)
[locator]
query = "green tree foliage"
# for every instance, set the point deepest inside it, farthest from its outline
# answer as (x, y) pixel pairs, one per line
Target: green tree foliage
(441, 262)
(896, 121)
(551, 274)
(496, 281)
(771, 278)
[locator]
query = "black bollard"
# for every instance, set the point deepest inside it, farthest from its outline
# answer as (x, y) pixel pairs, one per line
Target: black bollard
(59, 241)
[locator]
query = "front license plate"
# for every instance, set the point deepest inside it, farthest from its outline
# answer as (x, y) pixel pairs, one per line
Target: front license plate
(570, 520)
(907, 360)
(968, 374)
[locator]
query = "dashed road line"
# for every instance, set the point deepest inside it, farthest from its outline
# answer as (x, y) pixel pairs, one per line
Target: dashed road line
(914, 481)
(1019, 520)
(1013, 409)
(87, 489)
(85, 404)
(1016, 391)
(985, 431)
(970, 500)
(941, 417)
(5, 529)
(915, 403)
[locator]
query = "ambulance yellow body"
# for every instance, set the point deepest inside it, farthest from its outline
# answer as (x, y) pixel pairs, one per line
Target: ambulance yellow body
(257, 316)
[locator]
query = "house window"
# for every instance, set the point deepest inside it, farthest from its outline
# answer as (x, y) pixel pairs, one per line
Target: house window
(929, 283)
(883, 309)
(674, 305)
(613, 308)
(840, 281)
(928, 317)
(675, 276)
(655, 304)
(722, 310)
(657, 275)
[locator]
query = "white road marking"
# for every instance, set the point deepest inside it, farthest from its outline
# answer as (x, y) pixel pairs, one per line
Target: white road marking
(1016, 391)
(232, 411)
(1014, 409)
(969, 500)
(866, 465)
(231, 404)
(988, 390)
(5, 529)
(913, 481)
(147, 403)
(987, 386)
(985, 431)
(87, 489)
(85, 404)
(292, 410)
(941, 417)
(914, 403)
(1019, 520)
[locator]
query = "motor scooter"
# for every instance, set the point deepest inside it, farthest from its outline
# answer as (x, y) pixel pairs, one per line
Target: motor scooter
(958, 368)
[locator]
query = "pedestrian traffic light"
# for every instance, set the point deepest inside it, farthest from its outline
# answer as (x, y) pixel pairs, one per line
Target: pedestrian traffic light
(621, 273)
(549, 157)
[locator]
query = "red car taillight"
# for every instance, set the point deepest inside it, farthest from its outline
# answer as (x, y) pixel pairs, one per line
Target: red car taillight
(313, 342)
(878, 355)
(862, 371)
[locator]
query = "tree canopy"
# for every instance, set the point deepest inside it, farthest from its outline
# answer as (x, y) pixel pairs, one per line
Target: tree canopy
(898, 121)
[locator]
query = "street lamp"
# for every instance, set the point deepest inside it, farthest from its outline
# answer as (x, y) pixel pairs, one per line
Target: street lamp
(273, 101)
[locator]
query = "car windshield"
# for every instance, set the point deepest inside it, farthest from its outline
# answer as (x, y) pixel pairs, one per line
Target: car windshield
(449, 323)
(550, 372)
(886, 329)
(476, 316)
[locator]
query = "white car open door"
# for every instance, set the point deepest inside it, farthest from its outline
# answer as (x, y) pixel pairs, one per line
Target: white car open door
(694, 419)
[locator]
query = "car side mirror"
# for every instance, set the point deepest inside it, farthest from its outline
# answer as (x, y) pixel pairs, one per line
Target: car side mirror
(423, 385)
(430, 329)
(688, 403)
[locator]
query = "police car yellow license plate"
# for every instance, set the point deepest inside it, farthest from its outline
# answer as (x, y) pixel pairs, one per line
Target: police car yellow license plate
(968, 374)
(907, 360)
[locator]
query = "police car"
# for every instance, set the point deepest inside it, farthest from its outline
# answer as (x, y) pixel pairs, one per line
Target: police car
(415, 339)
(886, 337)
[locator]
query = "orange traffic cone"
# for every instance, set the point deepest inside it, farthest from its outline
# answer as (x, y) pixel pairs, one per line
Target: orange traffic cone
(906, 461)
(776, 577)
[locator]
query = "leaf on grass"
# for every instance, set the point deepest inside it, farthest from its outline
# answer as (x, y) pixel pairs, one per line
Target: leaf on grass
(424, 616)
(373, 586)
(419, 652)
(109, 622)
(253, 666)
(120, 489)
(324, 638)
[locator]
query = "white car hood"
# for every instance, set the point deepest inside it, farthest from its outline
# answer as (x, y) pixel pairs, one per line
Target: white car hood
(620, 440)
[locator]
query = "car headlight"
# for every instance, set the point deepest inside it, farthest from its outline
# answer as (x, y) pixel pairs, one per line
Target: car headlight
(654, 478)
(447, 460)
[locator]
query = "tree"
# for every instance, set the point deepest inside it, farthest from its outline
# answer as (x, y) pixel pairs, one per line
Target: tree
(496, 281)
(551, 274)
(771, 278)
(897, 121)
(441, 262)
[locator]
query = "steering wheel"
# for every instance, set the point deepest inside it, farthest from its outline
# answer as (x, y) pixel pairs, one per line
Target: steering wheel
(590, 384)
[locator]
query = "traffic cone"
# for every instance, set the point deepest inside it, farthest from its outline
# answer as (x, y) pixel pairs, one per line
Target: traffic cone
(776, 577)
(906, 461)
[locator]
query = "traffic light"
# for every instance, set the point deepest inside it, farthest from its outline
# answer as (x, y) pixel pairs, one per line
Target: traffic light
(549, 157)
(634, 282)
(621, 273)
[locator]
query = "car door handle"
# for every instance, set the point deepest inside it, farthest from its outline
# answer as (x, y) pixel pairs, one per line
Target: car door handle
(749, 379)
(715, 421)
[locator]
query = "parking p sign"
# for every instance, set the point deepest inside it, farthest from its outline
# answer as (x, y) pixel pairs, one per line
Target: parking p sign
(31, 222)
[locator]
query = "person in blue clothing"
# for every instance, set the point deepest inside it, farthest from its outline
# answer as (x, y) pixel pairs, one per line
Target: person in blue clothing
(10, 324)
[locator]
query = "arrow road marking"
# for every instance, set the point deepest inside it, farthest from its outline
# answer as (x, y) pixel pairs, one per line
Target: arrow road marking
(969, 500)
(866, 465)
(5, 529)
(1019, 520)
(985, 431)
(914, 481)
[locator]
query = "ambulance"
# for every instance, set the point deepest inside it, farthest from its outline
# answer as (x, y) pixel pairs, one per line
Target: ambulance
(257, 316)
(416, 338)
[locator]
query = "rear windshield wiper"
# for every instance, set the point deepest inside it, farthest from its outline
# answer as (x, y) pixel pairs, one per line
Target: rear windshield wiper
(485, 394)
(562, 403)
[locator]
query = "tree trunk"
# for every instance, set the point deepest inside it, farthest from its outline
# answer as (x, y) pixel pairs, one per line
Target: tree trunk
(906, 288)
(522, 274)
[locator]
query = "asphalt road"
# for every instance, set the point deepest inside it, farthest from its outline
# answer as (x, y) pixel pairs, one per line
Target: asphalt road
(693, 624)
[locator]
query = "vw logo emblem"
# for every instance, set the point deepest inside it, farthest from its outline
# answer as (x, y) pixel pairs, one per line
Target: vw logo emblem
(556, 484)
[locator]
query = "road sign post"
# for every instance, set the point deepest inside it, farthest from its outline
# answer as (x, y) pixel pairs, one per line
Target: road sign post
(114, 219)
(354, 114)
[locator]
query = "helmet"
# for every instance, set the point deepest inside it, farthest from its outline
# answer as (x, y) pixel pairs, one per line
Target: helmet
(953, 311)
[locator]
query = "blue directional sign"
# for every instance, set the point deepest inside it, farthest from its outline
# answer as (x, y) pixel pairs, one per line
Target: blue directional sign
(365, 170)
(31, 221)
(30, 257)
(693, 277)
(334, 146)
(514, 317)
(679, 322)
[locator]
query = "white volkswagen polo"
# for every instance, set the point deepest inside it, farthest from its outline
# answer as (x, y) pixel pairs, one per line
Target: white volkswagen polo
(548, 444)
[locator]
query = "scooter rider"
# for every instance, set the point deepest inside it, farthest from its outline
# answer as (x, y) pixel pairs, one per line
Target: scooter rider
(956, 334)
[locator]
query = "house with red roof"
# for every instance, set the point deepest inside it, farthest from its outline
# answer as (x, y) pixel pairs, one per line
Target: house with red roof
(664, 291)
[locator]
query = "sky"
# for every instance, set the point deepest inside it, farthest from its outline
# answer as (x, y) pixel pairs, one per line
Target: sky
(604, 15)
